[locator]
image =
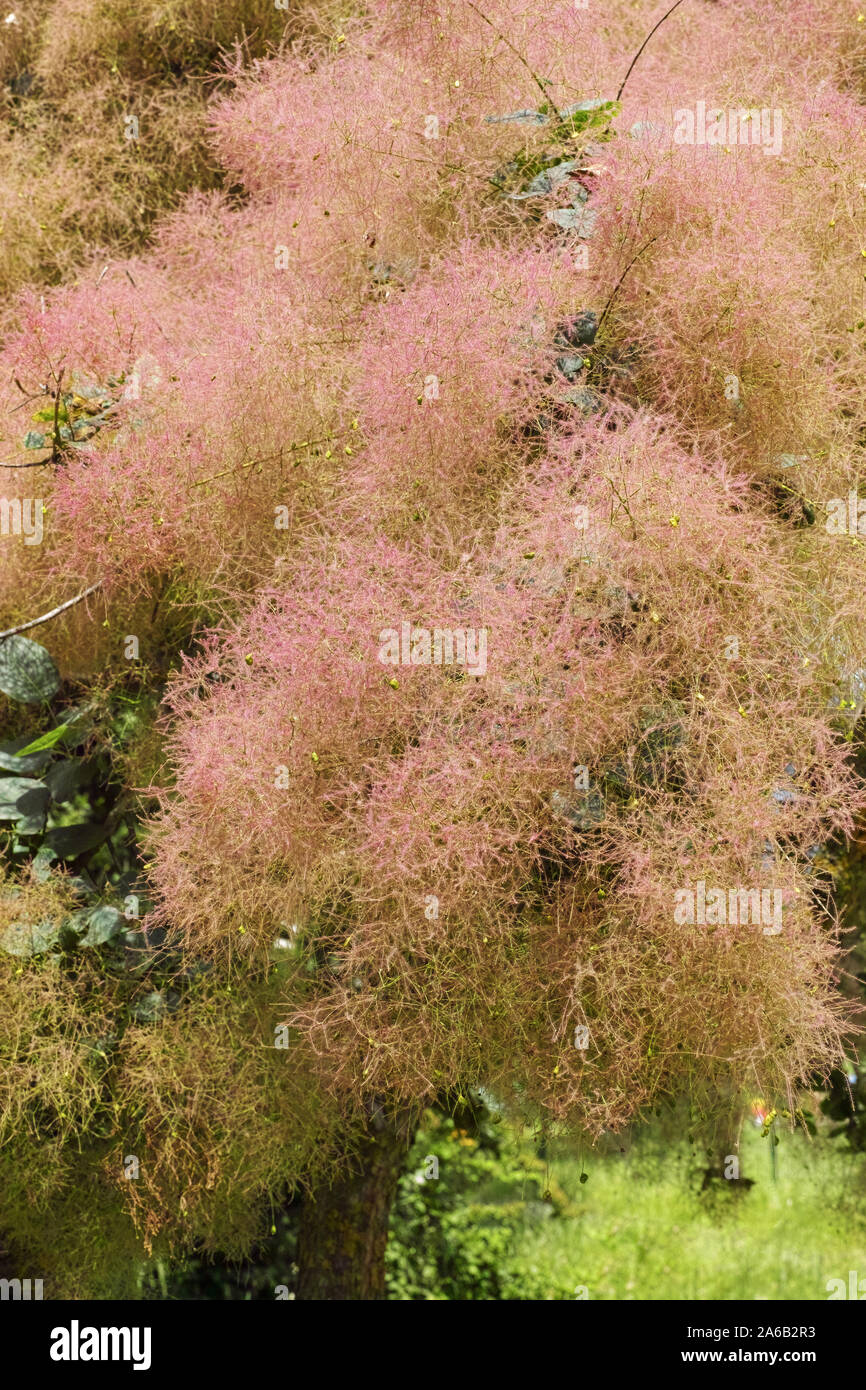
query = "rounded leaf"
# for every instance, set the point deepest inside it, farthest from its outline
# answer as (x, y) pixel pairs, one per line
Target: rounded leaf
(155, 1006)
(65, 779)
(27, 671)
(29, 938)
(22, 797)
(71, 840)
(103, 923)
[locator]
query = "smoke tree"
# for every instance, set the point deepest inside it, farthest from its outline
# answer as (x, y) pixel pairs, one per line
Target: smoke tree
(495, 674)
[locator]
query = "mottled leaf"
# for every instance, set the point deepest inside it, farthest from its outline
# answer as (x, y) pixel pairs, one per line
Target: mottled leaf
(547, 180)
(525, 117)
(580, 220)
(155, 1006)
(103, 923)
(22, 796)
(583, 812)
(29, 938)
(42, 862)
(27, 671)
(593, 104)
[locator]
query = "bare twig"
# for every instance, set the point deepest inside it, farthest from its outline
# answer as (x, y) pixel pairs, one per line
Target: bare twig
(643, 46)
(55, 443)
(516, 51)
(301, 444)
(623, 501)
(615, 290)
(61, 608)
(28, 395)
(39, 463)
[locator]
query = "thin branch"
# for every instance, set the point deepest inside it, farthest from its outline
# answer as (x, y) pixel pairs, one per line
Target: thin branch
(39, 463)
(643, 46)
(615, 290)
(61, 608)
(269, 458)
(516, 51)
(28, 395)
(55, 446)
(623, 501)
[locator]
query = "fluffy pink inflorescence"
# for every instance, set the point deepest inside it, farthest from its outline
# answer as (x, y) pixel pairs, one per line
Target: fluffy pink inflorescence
(476, 862)
(421, 823)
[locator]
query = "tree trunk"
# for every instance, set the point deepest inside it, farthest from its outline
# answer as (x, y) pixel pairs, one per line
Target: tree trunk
(344, 1228)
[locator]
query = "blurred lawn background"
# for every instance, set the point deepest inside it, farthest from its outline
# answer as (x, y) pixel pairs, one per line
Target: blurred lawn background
(643, 1229)
(499, 1222)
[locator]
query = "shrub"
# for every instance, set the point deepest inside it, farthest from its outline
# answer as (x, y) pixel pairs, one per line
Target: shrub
(74, 177)
(463, 868)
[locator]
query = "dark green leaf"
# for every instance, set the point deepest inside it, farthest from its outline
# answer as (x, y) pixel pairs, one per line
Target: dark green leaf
(21, 796)
(71, 840)
(82, 886)
(155, 1006)
(76, 922)
(41, 863)
(66, 778)
(103, 923)
(27, 672)
(33, 823)
(12, 761)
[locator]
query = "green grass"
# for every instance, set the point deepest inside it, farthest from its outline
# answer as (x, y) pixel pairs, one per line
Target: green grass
(643, 1230)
